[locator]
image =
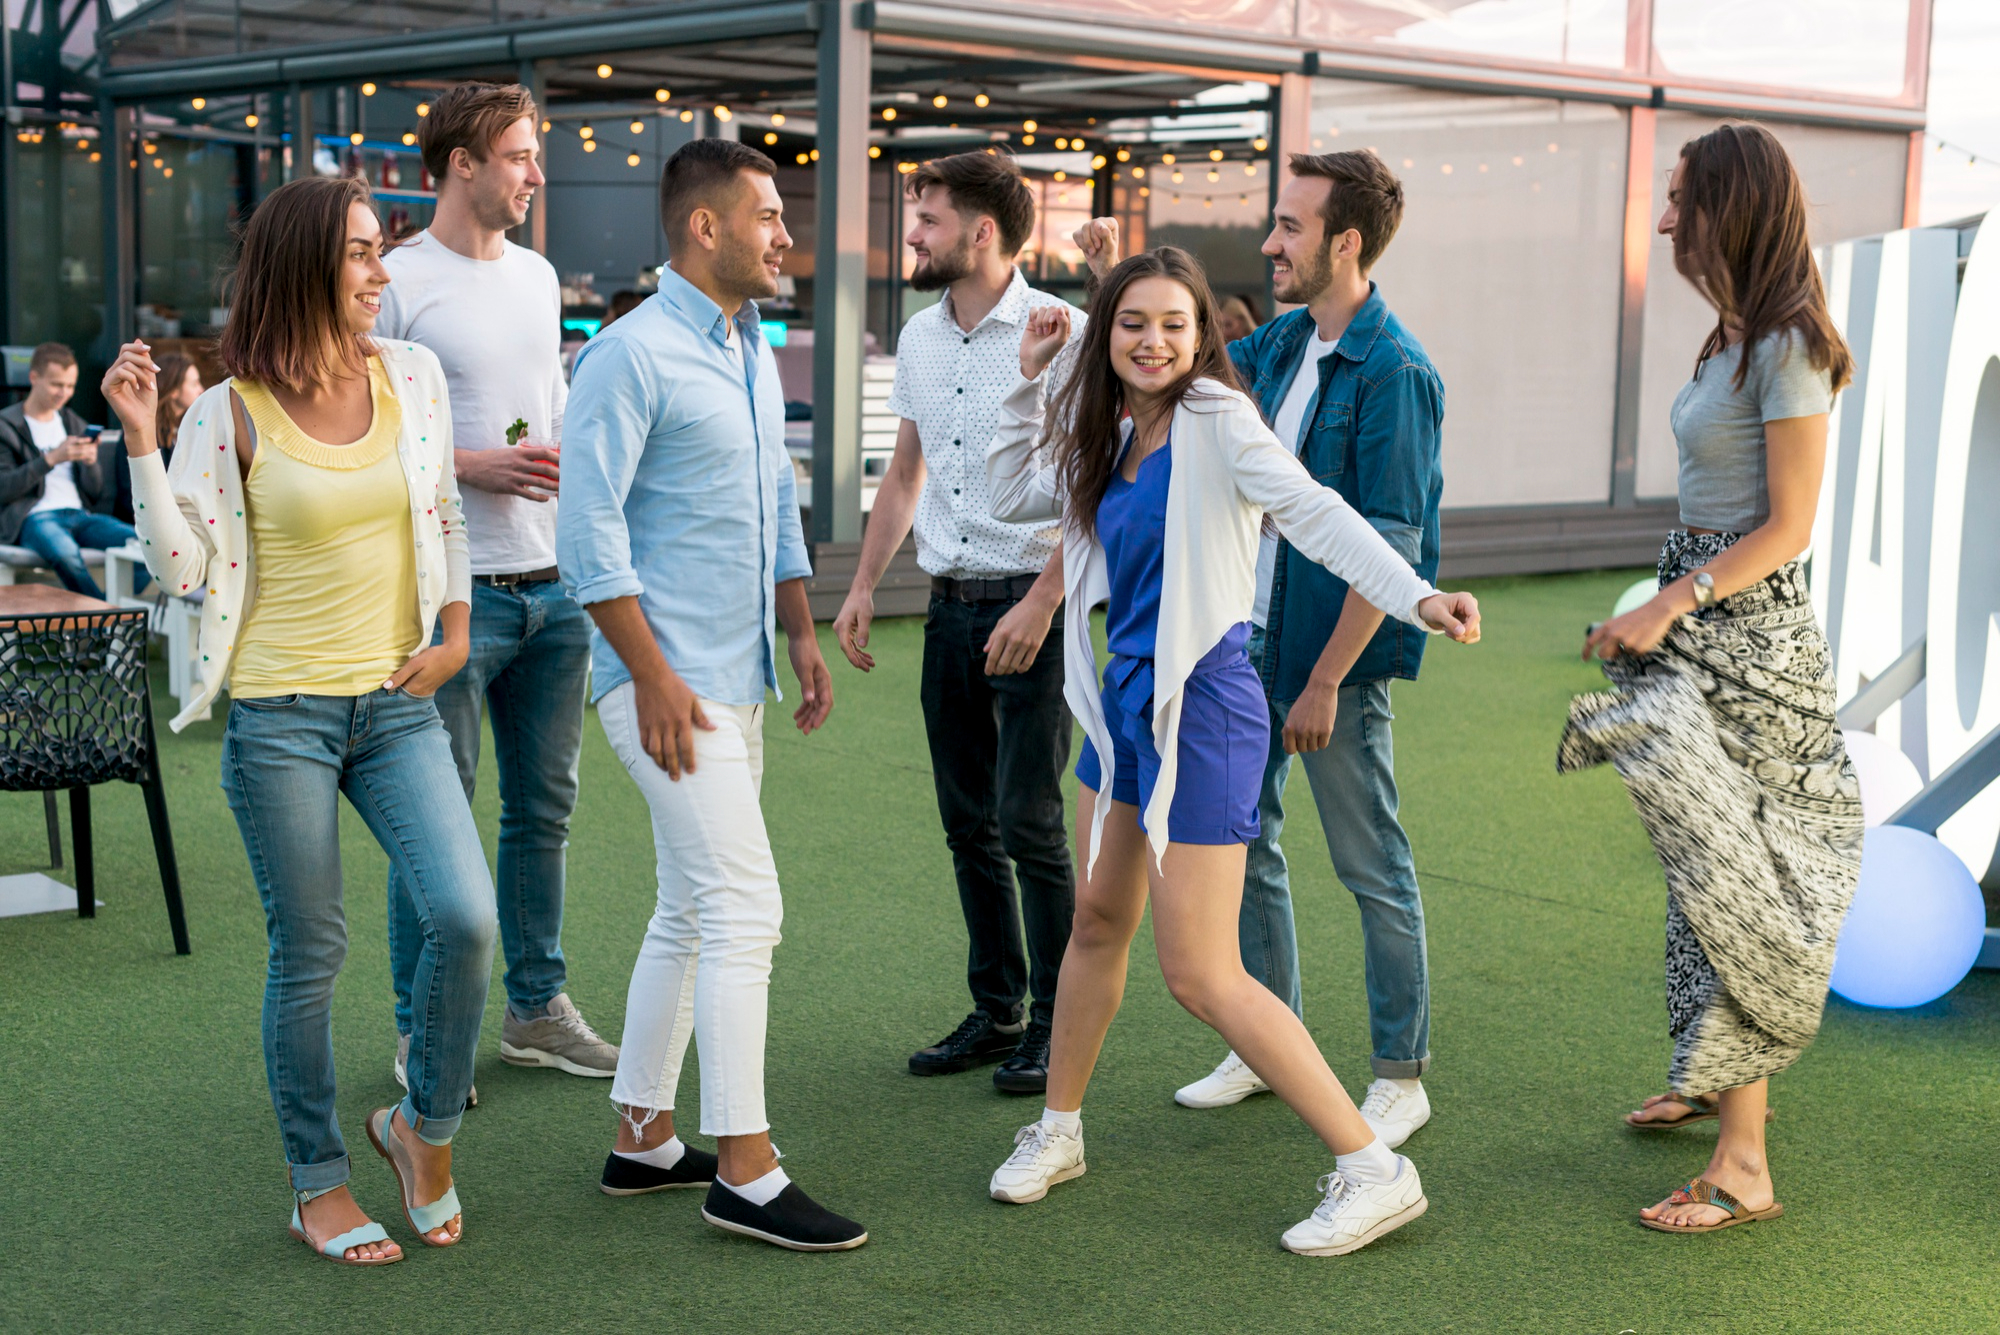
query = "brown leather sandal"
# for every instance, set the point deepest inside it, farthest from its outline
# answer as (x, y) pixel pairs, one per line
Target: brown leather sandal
(1701, 1191)
(1700, 1109)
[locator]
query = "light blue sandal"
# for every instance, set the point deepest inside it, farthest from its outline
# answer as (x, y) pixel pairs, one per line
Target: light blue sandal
(335, 1249)
(425, 1219)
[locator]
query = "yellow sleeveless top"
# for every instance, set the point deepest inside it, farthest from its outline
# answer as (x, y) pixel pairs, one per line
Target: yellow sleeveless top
(336, 602)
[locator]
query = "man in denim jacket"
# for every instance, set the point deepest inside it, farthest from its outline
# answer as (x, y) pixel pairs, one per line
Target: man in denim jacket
(1346, 385)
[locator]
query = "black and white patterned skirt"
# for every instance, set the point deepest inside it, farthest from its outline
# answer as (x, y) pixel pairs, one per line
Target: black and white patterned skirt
(1726, 740)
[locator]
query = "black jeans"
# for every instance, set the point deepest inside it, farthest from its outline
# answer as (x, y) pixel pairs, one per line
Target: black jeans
(999, 746)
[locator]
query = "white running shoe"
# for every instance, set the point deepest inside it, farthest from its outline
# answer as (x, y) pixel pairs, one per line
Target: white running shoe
(1393, 1114)
(1041, 1158)
(1354, 1215)
(1231, 1082)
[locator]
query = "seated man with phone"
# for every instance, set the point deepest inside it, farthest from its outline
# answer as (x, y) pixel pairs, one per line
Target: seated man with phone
(55, 497)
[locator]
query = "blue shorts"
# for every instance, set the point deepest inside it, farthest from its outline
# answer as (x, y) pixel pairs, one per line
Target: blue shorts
(1225, 737)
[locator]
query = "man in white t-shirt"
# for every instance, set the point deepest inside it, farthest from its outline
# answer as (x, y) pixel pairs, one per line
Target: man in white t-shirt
(55, 499)
(492, 312)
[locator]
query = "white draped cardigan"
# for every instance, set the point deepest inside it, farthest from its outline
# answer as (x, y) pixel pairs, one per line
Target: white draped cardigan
(1229, 472)
(194, 535)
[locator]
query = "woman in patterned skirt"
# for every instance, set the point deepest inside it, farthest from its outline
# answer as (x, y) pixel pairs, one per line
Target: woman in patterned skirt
(1720, 718)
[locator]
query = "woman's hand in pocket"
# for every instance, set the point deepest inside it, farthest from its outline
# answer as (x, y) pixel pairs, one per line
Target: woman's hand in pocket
(429, 669)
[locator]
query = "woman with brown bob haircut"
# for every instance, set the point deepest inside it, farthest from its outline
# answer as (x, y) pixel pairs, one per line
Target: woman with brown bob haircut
(1163, 475)
(311, 499)
(1720, 718)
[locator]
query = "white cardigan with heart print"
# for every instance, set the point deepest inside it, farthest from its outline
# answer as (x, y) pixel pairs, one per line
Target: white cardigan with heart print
(194, 536)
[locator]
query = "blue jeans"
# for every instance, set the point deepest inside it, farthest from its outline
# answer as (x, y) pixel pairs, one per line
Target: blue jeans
(1353, 781)
(285, 762)
(530, 666)
(59, 537)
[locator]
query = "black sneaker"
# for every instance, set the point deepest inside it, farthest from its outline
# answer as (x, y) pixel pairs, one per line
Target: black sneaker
(792, 1220)
(974, 1043)
(1027, 1071)
(629, 1177)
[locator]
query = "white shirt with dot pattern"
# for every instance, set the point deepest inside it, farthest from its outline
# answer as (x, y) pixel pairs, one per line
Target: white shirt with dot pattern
(950, 382)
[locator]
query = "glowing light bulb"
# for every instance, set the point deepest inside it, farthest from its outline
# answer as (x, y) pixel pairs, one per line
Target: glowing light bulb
(770, 136)
(638, 127)
(723, 113)
(603, 71)
(423, 108)
(980, 100)
(661, 94)
(354, 138)
(888, 113)
(777, 118)
(1260, 143)
(1167, 158)
(1215, 155)
(1030, 126)
(687, 116)
(939, 100)
(368, 90)
(199, 103)
(251, 120)
(1062, 176)
(585, 132)
(631, 159)
(1124, 155)
(590, 145)
(408, 139)
(875, 150)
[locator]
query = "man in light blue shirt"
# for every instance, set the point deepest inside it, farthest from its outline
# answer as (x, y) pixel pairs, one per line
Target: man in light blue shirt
(679, 532)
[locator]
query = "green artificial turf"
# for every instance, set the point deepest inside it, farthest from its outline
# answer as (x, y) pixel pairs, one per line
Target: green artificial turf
(142, 1185)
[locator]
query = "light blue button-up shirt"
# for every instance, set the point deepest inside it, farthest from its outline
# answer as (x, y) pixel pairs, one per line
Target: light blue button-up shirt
(676, 488)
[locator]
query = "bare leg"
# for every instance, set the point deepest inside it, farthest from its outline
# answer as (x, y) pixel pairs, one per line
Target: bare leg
(653, 1134)
(1738, 1165)
(744, 1159)
(1196, 896)
(1110, 901)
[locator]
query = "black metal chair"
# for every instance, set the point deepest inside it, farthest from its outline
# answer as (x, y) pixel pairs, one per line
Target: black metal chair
(76, 710)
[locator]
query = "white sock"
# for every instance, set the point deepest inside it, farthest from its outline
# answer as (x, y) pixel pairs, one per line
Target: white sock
(1404, 1086)
(660, 1156)
(1069, 1123)
(1373, 1165)
(762, 1191)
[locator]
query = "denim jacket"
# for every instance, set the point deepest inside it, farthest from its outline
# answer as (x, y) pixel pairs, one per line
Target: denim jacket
(1373, 435)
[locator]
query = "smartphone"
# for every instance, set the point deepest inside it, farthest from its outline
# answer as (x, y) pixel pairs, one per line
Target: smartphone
(109, 435)
(93, 432)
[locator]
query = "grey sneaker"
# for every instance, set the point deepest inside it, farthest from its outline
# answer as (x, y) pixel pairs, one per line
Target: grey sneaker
(560, 1039)
(403, 1071)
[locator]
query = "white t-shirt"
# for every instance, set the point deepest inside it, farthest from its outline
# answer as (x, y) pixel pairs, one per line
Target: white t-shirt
(1287, 427)
(496, 325)
(59, 487)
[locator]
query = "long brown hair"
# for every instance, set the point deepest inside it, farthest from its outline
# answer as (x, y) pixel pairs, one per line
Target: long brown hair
(1085, 439)
(174, 367)
(286, 323)
(1742, 241)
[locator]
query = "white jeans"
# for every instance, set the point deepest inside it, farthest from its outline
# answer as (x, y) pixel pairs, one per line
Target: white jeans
(719, 905)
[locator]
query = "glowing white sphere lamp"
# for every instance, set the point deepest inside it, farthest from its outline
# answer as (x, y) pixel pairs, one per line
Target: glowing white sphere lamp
(1888, 777)
(1636, 596)
(1916, 924)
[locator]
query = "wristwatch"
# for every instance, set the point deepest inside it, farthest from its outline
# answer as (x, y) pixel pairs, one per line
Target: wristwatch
(1704, 589)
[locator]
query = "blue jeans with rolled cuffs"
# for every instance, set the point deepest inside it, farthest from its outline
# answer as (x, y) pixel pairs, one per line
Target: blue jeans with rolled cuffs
(529, 667)
(286, 761)
(1353, 780)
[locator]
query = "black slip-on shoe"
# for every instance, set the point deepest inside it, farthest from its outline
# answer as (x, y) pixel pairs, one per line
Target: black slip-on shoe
(792, 1220)
(629, 1177)
(1027, 1071)
(976, 1041)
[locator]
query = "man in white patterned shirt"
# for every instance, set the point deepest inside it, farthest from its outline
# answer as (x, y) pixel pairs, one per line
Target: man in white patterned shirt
(993, 674)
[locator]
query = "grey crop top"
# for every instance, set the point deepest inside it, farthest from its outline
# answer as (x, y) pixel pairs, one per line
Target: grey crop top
(1719, 428)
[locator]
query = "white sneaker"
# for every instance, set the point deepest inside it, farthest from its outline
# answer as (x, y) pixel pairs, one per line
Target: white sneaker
(403, 1071)
(1041, 1158)
(1231, 1082)
(1393, 1114)
(1354, 1215)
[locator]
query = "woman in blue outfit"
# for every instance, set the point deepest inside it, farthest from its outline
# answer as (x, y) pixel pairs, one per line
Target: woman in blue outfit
(1163, 474)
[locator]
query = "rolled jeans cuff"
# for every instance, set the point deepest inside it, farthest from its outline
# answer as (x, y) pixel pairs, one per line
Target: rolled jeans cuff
(318, 1177)
(430, 1130)
(1385, 1069)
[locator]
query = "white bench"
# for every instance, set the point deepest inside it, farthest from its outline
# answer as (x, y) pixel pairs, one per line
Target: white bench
(17, 561)
(178, 619)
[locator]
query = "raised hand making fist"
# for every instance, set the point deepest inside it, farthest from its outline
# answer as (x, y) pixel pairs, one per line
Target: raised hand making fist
(132, 389)
(1044, 337)
(1098, 240)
